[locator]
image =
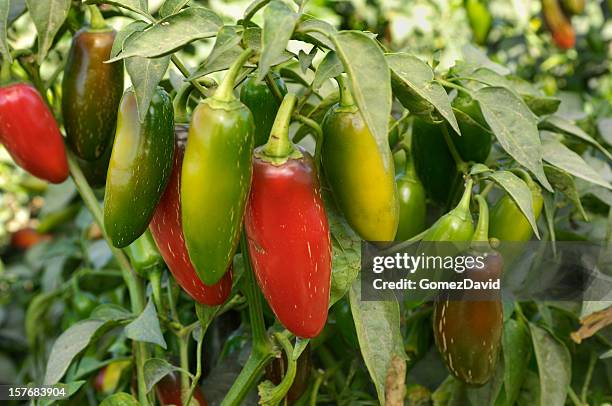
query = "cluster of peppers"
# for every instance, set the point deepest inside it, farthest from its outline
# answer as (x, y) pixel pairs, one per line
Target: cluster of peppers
(557, 16)
(165, 204)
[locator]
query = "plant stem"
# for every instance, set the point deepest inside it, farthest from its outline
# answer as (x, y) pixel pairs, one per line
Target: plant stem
(198, 374)
(279, 145)
(262, 351)
(482, 228)
(318, 133)
(132, 281)
(460, 88)
(181, 67)
(183, 341)
(96, 19)
(587, 378)
(346, 98)
(275, 90)
(225, 92)
(461, 165)
(5, 71)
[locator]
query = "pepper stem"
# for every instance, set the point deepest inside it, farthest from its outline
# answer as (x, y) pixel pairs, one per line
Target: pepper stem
(346, 98)
(5, 71)
(279, 145)
(409, 168)
(180, 104)
(482, 228)
(225, 93)
(96, 20)
(464, 203)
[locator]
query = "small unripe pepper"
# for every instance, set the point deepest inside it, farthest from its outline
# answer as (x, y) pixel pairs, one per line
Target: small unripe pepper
(411, 201)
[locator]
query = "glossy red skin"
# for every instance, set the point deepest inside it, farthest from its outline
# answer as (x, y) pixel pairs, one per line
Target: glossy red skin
(169, 391)
(167, 231)
(289, 243)
(30, 133)
(26, 238)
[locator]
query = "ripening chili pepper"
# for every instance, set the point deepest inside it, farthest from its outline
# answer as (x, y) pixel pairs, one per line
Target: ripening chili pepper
(508, 223)
(108, 377)
(27, 237)
(288, 232)
(166, 227)
(263, 104)
(360, 172)
(216, 178)
(140, 166)
(411, 201)
(91, 90)
(275, 371)
(468, 325)
(480, 20)
(30, 133)
(433, 161)
(457, 224)
(573, 7)
(474, 143)
(559, 24)
(168, 391)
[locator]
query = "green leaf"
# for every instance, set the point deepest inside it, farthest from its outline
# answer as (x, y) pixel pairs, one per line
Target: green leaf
(369, 78)
(346, 252)
(137, 6)
(145, 328)
(69, 345)
(110, 312)
(563, 182)
(279, 23)
(303, 32)
(515, 127)
(172, 7)
(562, 157)
(171, 33)
(516, 346)
(254, 7)
(124, 34)
(306, 59)
(120, 399)
(155, 369)
(206, 314)
(71, 388)
(5, 9)
(558, 123)
(549, 215)
(519, 192)
(36, 314)
(330, 67)
(380, 340)
(48, 17)
(146, 73)
(225, 51)
(413, 83)
(554, 366)
(299, 347)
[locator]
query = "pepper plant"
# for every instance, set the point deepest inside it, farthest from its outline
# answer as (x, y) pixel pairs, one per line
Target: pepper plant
(208, 242)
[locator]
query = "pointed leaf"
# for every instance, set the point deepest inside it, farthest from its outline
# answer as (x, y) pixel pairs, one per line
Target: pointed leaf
(563, 182)
(517, 351)
(515, 127)
(558, 123)
(155, 369)
(172, 33)
(303, 33)
(225, 51)
(414, 79)
(120, 399)
(69, 345)
(554, 366)
(519, 192)
(124, 34)
(5, 9)
(330, 67)
(369, 78)
(378, 329)
(172, 7)
(146, 73)
(137, 6)
(48, 17)
(562, 157)
(145, 328)
(279, 23)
